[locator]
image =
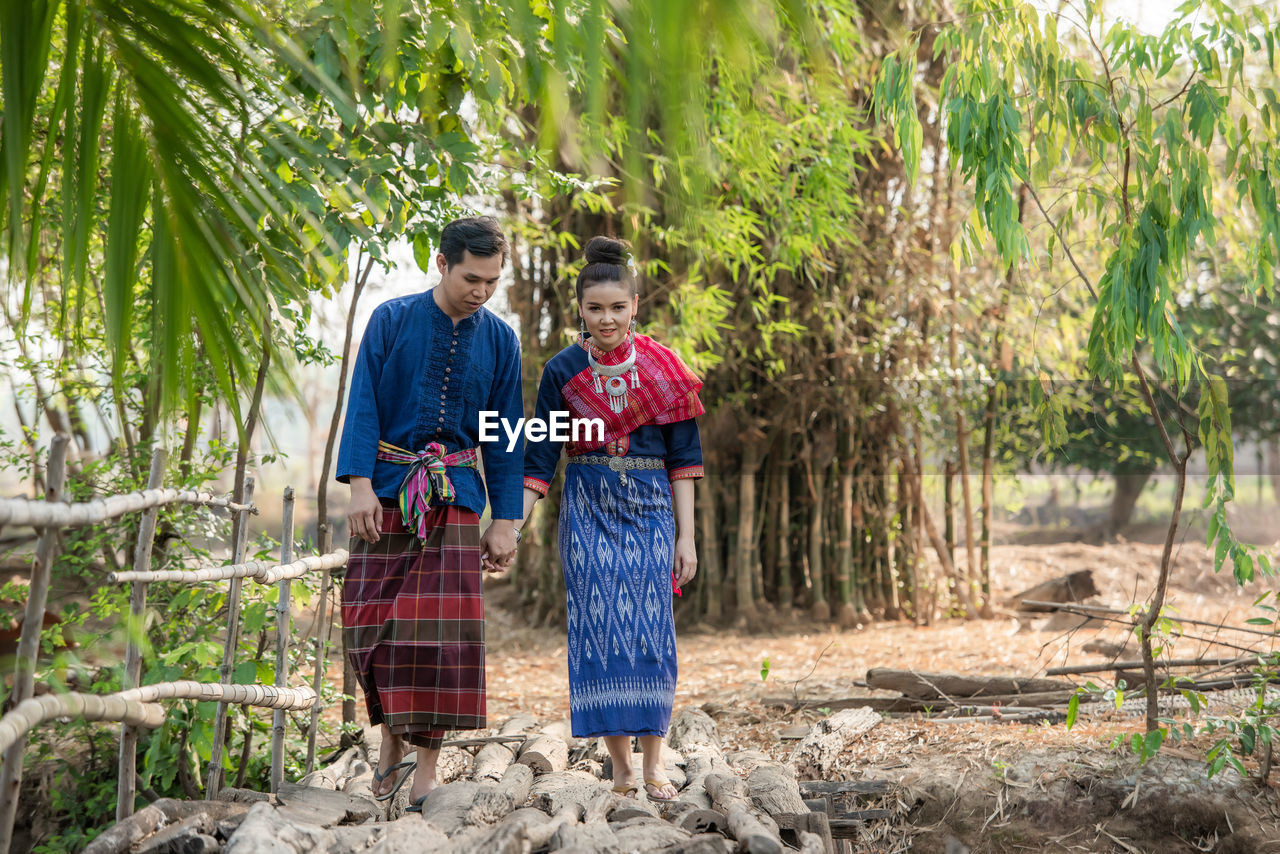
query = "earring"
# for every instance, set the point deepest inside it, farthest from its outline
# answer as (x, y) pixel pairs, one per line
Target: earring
(582, 324)
(633, 326)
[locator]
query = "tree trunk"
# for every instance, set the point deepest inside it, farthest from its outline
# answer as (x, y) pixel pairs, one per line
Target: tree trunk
(988, 489)
(712, 570)
(1128, 489)
(1273, 468)
(949, 508)
(846, 615)
(743, 570)
(785, 576)
(821, 608)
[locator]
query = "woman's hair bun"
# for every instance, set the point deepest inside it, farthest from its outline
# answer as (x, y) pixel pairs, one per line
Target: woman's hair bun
(606, 250)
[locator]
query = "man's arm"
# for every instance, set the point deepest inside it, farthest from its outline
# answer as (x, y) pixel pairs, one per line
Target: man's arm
(358, 451)
(503, 466)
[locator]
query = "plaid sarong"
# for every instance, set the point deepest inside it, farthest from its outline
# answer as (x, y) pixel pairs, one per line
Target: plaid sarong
(413, 621)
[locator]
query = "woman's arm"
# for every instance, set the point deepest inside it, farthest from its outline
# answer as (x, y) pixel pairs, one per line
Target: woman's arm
(531, 497)
(686, 564)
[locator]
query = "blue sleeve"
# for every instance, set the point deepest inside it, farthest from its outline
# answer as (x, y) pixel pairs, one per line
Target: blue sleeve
(358, 450)
(541, 459)
(684, 449)
(503, 466)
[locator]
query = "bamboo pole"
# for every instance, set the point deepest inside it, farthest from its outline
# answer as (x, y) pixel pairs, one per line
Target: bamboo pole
(126, 777)
(139, 706)
(261, 571)
(282, 643)
(89, 707)
(214, 779)
(29, 642)
(321, 639)
(36, 514)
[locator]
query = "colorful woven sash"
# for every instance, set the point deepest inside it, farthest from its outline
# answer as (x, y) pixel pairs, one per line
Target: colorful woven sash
(427, 478)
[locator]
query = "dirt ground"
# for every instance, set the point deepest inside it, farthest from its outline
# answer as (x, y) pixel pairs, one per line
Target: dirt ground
(980, 786)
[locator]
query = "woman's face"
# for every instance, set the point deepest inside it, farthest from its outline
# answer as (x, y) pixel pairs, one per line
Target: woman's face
(607, 309)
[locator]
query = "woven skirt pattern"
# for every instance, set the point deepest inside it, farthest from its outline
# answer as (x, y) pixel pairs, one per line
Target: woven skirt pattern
(413, 621)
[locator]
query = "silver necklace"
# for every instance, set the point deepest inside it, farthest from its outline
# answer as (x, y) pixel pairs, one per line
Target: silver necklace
(614, 386)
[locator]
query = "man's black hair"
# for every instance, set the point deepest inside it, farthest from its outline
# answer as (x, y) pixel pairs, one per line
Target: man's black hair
(479, 235)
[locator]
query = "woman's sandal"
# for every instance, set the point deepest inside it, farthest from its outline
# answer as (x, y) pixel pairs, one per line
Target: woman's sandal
(378, 777)
(627, 790)
(651, 786)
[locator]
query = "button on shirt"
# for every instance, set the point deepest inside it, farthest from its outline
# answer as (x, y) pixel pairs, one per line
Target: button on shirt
(404, 391)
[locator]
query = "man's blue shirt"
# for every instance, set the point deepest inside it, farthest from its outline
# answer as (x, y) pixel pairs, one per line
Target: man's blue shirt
(420, 379)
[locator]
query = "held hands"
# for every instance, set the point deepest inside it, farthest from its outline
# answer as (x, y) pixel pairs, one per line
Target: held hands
(686, 560)
(364, 511)
(498, 546)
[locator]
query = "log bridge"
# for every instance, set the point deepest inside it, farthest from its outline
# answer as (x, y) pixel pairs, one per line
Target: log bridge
(531, 787)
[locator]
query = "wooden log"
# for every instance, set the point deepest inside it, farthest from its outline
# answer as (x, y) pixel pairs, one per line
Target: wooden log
(696, 819)
(406, 835)
(321, 807)
(817, 753)
(645, 833)
(559, 791)
(693, 734)
(703, 843)
(753, 836)
(541, 831)
(495, 803)
(1101, 666)
(845, 828)
(613, 807)
(727, 789)
(585, 837)
(795, 827)
(692, 727)
(544, 754)
(123, 835)
(774, 789)
(561, 730)
(746, 761)
(926, 685)
(842, 787)
(813, 843)
(447, 806)
(504, 838)
(1072, 587)
(909, 705)
(492, 760)
(756, 832)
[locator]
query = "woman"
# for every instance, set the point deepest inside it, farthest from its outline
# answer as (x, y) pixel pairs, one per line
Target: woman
(621, 545)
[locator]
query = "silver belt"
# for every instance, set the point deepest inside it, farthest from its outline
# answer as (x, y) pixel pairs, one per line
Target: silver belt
(619, 464)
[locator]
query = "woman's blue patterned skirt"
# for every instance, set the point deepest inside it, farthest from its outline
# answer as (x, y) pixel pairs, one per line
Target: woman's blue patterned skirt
(617, 547)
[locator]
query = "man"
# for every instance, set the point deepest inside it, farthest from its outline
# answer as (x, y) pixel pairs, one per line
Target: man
(412, 604)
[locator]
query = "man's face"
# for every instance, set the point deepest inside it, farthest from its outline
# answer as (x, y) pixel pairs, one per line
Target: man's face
(467, 285)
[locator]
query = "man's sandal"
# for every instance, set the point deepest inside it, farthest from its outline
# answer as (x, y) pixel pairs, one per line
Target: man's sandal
(378, 777)
(416, 805)
(652, 786)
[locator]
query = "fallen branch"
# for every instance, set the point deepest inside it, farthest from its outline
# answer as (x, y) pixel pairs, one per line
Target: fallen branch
(1100, 667)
